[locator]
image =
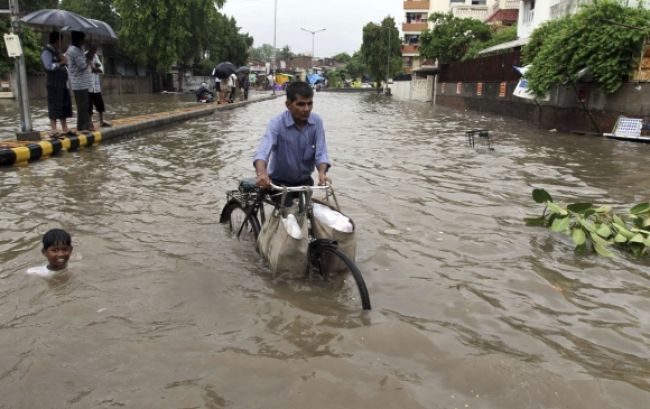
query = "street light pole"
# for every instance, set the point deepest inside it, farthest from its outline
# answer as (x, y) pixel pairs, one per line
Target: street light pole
(388, 59)
(21, 74)
(313, 35)
(275, 24)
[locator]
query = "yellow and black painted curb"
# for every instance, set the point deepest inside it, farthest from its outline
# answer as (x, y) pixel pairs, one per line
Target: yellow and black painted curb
(31, 151)
(14, 152)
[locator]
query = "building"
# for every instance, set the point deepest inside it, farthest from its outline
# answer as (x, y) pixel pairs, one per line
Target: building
(416, 20)
(532, 13)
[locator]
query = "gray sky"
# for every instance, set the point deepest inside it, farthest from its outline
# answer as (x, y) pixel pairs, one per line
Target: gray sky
(342, 19)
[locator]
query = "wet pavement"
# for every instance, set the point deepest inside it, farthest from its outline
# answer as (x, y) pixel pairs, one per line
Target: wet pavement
(471, 309)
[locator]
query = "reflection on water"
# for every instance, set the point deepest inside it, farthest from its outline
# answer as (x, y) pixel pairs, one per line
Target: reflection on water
(471, 308)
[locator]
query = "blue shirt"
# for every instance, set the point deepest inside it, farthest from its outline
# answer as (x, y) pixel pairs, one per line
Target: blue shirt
(294, 153)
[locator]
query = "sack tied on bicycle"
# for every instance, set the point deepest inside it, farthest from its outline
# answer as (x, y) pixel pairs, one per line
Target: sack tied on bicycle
(331, 224)
(284, 243)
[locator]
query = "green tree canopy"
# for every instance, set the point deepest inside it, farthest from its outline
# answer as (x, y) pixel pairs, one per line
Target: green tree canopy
(263, 52)
(451, 37)
(498, 37)
(342, 58)
(159, 33)
(377, 56)
(98, 9)
(606, 37)
(356, 68)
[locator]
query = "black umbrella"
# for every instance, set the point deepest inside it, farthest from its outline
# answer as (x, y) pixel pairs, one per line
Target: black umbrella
(224, 70)
(243, 70)
(103, 31)
(54, 19)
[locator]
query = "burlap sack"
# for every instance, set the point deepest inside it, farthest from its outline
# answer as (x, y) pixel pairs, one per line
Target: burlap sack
(286, 256)
(346, 242)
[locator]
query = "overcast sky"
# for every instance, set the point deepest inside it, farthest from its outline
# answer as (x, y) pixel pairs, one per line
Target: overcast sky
(342, 19)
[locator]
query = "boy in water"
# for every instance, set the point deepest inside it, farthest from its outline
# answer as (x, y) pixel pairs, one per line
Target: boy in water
(57, 248)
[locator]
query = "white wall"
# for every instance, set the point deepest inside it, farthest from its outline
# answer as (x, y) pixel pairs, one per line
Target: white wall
(418, 89)
(401, 90)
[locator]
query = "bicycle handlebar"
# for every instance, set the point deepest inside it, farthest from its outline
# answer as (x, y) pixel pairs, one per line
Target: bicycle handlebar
(299, 188)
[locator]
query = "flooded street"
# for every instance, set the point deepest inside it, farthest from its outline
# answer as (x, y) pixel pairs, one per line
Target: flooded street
(471, 309)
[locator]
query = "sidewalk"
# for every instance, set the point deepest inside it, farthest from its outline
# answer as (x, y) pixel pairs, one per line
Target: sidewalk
(18, 152)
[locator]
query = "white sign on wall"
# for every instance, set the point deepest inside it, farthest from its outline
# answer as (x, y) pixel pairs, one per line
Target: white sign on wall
(12, 42)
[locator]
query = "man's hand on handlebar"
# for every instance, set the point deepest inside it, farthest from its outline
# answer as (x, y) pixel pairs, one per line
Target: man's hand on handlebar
(263, 180)
(323, 179)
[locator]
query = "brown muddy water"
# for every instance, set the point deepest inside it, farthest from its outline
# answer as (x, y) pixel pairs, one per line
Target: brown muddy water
(471, 309)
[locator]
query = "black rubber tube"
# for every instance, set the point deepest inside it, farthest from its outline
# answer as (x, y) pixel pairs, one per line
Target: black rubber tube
(356, 273)
(251, 218)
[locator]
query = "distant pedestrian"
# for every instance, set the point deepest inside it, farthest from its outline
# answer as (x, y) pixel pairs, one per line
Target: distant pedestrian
(217, 86)
(59, 103)
(80, 79)
(232, 87)
(95, 91)
(244, 84)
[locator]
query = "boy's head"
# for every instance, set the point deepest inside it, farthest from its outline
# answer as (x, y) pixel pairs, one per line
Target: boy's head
(54, 38)
(78, 38)
(300, 101)
(57, 247)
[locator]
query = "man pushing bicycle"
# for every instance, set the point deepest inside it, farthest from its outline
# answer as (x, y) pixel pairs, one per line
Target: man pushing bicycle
(294, 142)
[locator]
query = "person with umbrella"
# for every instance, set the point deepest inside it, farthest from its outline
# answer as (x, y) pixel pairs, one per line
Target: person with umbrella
(244, 82)
(59, 104)
(81, 79)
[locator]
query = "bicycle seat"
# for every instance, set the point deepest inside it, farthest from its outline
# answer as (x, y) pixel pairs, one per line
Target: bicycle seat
(247, 185)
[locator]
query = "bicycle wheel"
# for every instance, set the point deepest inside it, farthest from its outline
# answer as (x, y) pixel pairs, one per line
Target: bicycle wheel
(234, 214)
(318, 254)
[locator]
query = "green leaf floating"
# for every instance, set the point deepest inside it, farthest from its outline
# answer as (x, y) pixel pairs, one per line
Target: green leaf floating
(640, 208)
(596, 228)
(579, 207)
(541, 196)
(578, 236)
(560, 224)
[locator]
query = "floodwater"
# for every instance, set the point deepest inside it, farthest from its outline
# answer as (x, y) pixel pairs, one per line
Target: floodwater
(471, 309)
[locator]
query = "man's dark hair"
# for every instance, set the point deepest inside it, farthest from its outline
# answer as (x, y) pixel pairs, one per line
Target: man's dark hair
(56, 236)
(54, 37)
(299, 88)
(77, 38)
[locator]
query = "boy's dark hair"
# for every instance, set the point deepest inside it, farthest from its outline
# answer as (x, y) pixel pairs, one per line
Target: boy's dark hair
(56, 236)
(77, 38)
(299, 88)
(54, 37)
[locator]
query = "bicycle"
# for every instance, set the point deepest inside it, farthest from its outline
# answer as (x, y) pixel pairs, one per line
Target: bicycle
(244, 212)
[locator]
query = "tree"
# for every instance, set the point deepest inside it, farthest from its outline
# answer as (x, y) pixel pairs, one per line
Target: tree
(451, 37)
(377, 56)
(356, 67)
(605, 36)
(27, 6)
(159, 33)
(31, 42)
(342, 58)
(285, 54)
(98, 9)
(498, 37)
(263, 52)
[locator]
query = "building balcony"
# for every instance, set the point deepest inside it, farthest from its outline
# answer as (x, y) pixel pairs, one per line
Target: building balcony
(505, 5)
(567, 7)
(414, 27)
(410, 50)
(478, 12)
(413, 5)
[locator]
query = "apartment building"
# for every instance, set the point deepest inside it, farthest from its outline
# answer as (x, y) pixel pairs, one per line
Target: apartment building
(417, 13)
